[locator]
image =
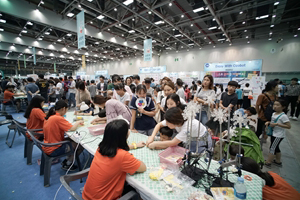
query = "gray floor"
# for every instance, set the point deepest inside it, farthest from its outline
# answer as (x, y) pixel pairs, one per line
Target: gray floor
(290, 149)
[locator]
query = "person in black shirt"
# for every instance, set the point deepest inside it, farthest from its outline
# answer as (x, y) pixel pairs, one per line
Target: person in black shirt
(43, 87)
(230, 98)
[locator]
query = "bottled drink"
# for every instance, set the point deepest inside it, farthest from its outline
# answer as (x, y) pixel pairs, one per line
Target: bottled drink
(240, 190)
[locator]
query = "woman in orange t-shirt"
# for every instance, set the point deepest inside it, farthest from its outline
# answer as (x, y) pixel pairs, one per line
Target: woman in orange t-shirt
(276, 188)
(55, 127)
(111, 163)
(35, 115)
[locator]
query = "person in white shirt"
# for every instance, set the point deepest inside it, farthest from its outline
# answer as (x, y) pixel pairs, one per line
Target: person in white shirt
(116, 79)
(180, 91)
(246, 92)
(122, 95)
(59, 89)
(150, 90)
(278, 123)
(136, 80)
(175, 120)
(72, 91)
(169, 88)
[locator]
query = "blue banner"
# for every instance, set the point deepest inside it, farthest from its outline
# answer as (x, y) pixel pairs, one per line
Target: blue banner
(80, 30)
(148, 50)
(33, 53)
(250, 65)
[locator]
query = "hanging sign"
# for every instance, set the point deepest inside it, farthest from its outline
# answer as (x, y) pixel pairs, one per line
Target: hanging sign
(83, 61)
(24, 61)
(250, 65)
(158, 69)
(34, 58)
(19, 65)
(54, 67)
(80, 30)
(148, 50)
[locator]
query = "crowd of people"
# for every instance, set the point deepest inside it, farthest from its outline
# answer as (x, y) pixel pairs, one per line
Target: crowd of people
(161, 119)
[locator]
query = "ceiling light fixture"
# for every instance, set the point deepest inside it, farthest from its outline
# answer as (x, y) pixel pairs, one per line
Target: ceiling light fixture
(89, 0)
(245, 30)
(170, 4)
(192, 24)
(147, 27)
(182, 16)
(204, 38)
(115, 9)
(295, 35)
(131, 31)
(247, 36)
(248, 42)
(230, 44)
(70, 14)
(178, 35)
(262, 17)
(29, 23)
(213, 27)
(149, 12)
(276, 3)
(198, 9)
(199, 31)
(274, 16)
(127, 2)
(241, 12)
(1, 29)
(244, 23)
(214, 19)
(272, 26)
(270, 38)
(214, 46)
(100, 17)
(24, 31)
(221, 39)
(159, 22)
(47, 33)
(69, 34)
(2, 20)
(59, 40)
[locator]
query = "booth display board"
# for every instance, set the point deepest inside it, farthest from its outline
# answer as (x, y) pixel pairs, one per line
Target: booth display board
(224, 72)
(257, 84)
(101, 73)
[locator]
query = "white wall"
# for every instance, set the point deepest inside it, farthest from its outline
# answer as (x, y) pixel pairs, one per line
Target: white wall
(285, 59)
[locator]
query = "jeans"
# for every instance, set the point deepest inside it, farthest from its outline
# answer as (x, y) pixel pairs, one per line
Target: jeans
(204, 117)
(72, 99)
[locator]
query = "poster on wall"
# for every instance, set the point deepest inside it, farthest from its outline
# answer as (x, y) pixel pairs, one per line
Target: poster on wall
(238, 71)
(257, 84)
(102, 73)
(148, 50)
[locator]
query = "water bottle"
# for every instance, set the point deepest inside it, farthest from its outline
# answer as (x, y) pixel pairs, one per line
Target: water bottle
(240, 190)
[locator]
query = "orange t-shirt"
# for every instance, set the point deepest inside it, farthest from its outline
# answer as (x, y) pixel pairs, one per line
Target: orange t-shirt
(8, 95)
(36, 120)
(281, 190)
(54, 130)
(107, 175)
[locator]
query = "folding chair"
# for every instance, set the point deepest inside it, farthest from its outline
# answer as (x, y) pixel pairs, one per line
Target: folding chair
(66, 179)
(8, 120)
(28, 145)
(46, 160)
(4, 106)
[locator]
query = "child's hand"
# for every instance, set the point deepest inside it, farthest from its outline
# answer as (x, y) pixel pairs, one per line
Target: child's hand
(140, 144)
(149, 141)
(141, 110)
(273, 124)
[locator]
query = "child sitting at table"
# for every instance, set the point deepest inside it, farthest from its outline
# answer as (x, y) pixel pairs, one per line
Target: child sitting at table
(165, 133)
(86, 108)
(234, 150)
(111, 163)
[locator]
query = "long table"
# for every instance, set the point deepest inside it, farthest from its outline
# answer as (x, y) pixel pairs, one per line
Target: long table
(147, 188)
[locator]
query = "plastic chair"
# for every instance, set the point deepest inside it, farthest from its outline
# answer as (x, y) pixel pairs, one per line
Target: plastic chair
(28, 145)
(66, 179)
(4, 106)
(8, 120)
(46, 160)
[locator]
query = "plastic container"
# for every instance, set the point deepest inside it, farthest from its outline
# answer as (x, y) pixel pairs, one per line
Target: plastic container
(97, 129)
(172, 157)
(240, 190)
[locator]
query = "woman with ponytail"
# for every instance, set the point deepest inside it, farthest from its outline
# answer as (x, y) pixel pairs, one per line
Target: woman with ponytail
(110, 109)
(55, 127)
(276, 188)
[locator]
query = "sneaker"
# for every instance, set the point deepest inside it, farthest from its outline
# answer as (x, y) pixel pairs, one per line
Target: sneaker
(295, 118)
(277, 164)
(291, 117)
(64, 162)
(67, 167)
(268, 165)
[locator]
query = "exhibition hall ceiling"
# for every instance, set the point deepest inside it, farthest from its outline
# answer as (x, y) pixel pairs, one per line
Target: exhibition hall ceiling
(116, 29)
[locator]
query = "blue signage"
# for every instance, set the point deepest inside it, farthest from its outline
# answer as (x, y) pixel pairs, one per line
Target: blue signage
(148, 50)
(80, 73)
(80, 30)
(158, 69)
(251, 65)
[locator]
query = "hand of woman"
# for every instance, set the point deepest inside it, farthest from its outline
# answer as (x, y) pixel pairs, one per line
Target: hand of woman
(273, 124)
(140, 144)
(141, 110)
(149, 141)
(152, 145)
(134, 131)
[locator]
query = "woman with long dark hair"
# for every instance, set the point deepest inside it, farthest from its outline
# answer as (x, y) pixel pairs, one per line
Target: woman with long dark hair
(204, 92)
(268, 96)
(111, 163)
(173, 100)
(35, 114)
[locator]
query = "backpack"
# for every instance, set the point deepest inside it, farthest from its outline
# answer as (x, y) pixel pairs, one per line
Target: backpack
(269, 109)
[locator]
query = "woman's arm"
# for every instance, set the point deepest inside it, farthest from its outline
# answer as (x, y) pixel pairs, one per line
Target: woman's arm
(148, 113)
(75, 126)
(155, 131)
(142, 167)
(133, 118)
(164, 144)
